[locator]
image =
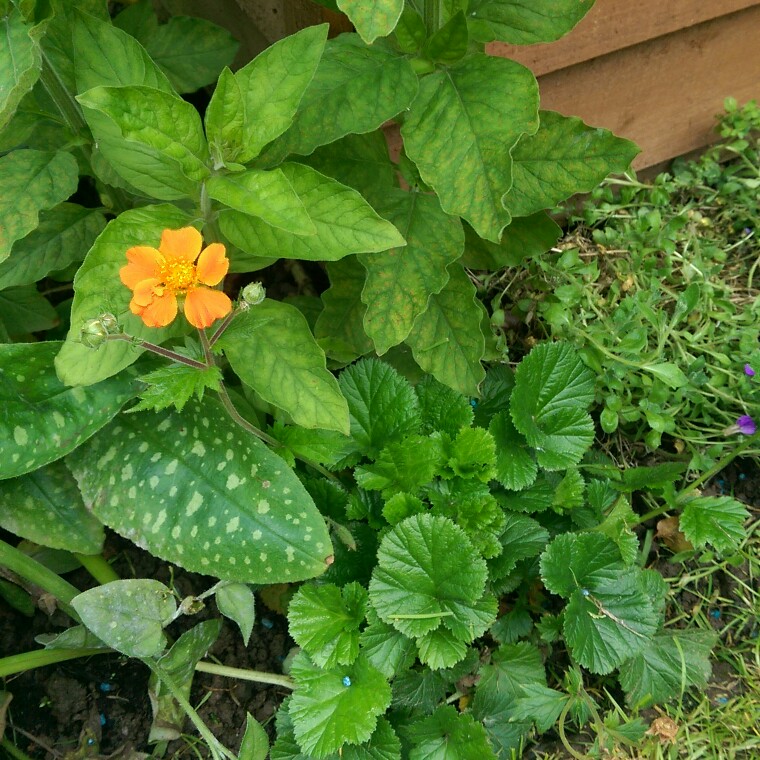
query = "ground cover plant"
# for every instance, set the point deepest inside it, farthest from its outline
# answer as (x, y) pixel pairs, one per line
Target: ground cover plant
(443, 526)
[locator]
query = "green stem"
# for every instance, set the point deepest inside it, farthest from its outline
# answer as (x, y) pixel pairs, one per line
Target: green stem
(64, 102)
(160, 350)
(561, 729)
(39, 658)
(257, 676)
(432, 16)
(13, 750)
(97, 566)
(36, 573)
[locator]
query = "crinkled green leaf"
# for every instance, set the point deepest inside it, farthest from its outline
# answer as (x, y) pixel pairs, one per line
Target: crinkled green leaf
(372, 18)
(20, 61)
(237, 602)
(459, 135)
(272, 349)
(324, 446)
(447, 340)
(385, 648)
(174, 385)
(715, 520)
(525, 22)
(32, 181)
(442, 409)
(400, 281)
(400, 506)
(419, 689)
(539, 704)
(516, 466)
(42, 420)
(615, 527)
(345, 223)
(128, 615)
(97, 288)
(449, 734)
(494, 393)
(553, 389)
(564, 157)
(195, 490)
(537, 497)
(335, 706)
(522, 537)
(472, 454)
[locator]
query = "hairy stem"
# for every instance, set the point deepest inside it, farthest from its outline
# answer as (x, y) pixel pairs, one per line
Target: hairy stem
(160, 350)
(257, 676)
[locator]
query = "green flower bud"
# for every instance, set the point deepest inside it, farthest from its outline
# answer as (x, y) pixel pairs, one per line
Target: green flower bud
(109, 322)
(93, 333)
(254, 293)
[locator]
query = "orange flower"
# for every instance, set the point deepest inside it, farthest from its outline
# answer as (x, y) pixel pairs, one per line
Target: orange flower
(177, 268)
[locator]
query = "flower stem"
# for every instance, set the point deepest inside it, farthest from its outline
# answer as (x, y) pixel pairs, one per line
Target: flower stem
(222, 327)
(97, 566)
(160, 350)
(257, 676)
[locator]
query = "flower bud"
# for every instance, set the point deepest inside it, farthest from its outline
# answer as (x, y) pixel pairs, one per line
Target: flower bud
(254, 293)
(109, 322)
(93, 333)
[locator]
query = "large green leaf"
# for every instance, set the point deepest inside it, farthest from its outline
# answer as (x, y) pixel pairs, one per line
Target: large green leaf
(24, 310)
(153, 139)
(447, 340)
(564, 157)
(716, 520)
(345, 223)
(400, 281)
(41, 420)
(63, 236)
(525, 22)
(448, 734)
(516, 466)
(209, 498)
(97, 288)
(372, 18)
(460, 134)
(32, 181)
(272, 349)
(336, 102)
(44, 506)
(20, 62)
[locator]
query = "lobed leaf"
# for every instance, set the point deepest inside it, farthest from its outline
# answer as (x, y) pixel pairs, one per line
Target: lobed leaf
(516, 466)
(716, 520)
(448, 734)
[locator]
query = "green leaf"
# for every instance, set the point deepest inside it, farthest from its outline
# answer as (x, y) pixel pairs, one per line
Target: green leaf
(669, 373)
(410, 33)
(419, 689)
(515, 465)
(442, 409)
(449, 44)
(32, 181)
(175, 385)
(209, 498)
(153, 139)
(20, 61)
(382, 405)
(255, 742)
(472, 454)
(324, 621)
(672, 663)
(385, 648)
(43, 420)
(129, 616)
(553, 389)
(24, 310)
(62, 237)
(540, 705)
(44, 506)
(537, 497)
(400, 281)
(372, 18)
(236, 601)
(524, 22)
(521, 538)
(345, 223)
(336, 102)
(272, 349)
(715, 520)
(428, 574)
(459, 135)
(225, 119)
(336, 706)
(191, 51)
(449, 734)
(76, 637)
(446, 339)
(97, 288)
(564, 157)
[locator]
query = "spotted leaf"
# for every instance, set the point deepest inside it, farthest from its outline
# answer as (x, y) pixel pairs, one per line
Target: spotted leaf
(193, 490)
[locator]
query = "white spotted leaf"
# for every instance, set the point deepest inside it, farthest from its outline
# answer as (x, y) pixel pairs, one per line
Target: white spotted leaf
(194, 490)
(128, 615)
(42, 420)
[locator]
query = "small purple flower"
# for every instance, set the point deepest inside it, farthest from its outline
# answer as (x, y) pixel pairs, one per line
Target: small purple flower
(746, 425)
(748, 371)
(747, 230)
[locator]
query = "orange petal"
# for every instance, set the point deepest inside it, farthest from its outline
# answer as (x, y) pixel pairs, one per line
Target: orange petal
(203, 306)
(143, 264)
(212, 264)
(145, 291)
(161, 310)
(184, 244)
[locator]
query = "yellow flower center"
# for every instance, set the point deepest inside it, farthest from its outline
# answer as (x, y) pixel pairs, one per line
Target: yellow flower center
(177, 275)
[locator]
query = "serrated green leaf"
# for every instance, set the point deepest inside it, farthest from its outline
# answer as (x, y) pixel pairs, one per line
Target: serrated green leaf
(272, 349)
(715, 520)
(44, 506)
(24, 310)
(459, 135)
(153, 139)
(255, 742)
(62, 237)
(521, 538)
(446, 339)
(495, 392)
(400, 506)
(553, 389)
(440, 649)
(324, 446)
(175, 385)
(428, 574)
(523, 22)
(516, 467)
(336, 103)
(442, 409)
(385, 648)
(655, 476)
(539, 704)
(345, 223)
(537, 497)
(32, 181)
(449, 734)
(372, 18)
(382, 405)
(41, 419)
(400, 281)
(615, 527)
(236, 601)
(564, 157)
(472, 454)
(673, 662)
(129, 615)
(20, 61)
(264, 194)
(177, 488)
(97, 288)
(191, 51)
(419, 689)
(337, 706)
